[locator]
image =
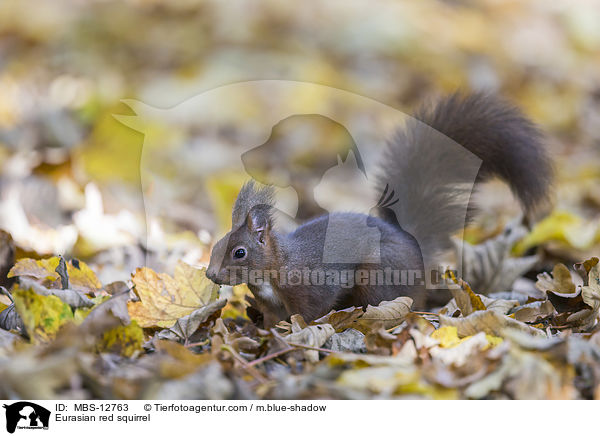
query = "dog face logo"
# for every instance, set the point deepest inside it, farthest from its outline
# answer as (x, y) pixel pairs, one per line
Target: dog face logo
(26, 415)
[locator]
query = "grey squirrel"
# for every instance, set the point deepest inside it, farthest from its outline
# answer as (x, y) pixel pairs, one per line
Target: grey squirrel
(425, 200)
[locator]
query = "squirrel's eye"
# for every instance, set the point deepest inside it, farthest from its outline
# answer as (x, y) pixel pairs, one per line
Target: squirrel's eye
(239, 253)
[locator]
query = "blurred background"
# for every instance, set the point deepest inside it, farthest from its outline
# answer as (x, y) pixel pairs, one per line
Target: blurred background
(73, 154)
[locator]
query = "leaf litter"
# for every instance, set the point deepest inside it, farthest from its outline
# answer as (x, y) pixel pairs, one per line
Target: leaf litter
(163, 336)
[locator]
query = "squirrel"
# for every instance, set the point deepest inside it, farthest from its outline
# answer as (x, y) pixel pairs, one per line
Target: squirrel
(425, 200)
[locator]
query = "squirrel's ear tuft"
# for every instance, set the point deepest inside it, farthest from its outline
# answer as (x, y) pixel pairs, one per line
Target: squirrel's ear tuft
(249, 198)
(259, 222)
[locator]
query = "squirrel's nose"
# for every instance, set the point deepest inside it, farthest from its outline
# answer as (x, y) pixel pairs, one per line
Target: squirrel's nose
(211, 274)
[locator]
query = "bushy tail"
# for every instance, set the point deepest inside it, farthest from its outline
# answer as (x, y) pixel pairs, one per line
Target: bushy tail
(434, 162)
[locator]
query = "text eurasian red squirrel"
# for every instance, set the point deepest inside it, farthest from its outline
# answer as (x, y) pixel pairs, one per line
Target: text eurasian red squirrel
(432, 191)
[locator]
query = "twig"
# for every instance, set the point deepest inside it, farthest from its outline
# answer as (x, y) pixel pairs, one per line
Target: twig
(270, 356)
(195, 344)
(308, 347)
(426, 313)
(249, 369)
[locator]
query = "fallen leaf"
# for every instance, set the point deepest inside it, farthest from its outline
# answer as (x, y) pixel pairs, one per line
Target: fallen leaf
(380, 341)
(165, 299)
(466, 300)
(237, 303)
(560, 226)
(81, 277)
(534, 312)
(73, 298)
(107, 314)
(584, 268)
(447, 336)
(186, 326)
(489, 267)
(122, 340)
(560, 281)
(42, 315)
(488, 321)
(591, 293)
(569, 302)
(390, 313)
(340, 319)
(459, 351)
(10, 319)
(312, 336)
(348, 341)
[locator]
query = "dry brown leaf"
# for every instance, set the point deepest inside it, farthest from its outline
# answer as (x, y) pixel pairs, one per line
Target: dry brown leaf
(584, 268)
(534, 312)
(560, 281)
(390, 313)
(185, 327)
(591, 295)
(341, 319)
(466, 300)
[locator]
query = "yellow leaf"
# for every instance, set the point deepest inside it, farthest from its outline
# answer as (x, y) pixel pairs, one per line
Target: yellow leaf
(81, 313)
(123, 340)
(493, 340)
(42, 315)
(447, 336)
(560, 226)
(236, 303)
(165, 299)
(81, 277)
(466, 300)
